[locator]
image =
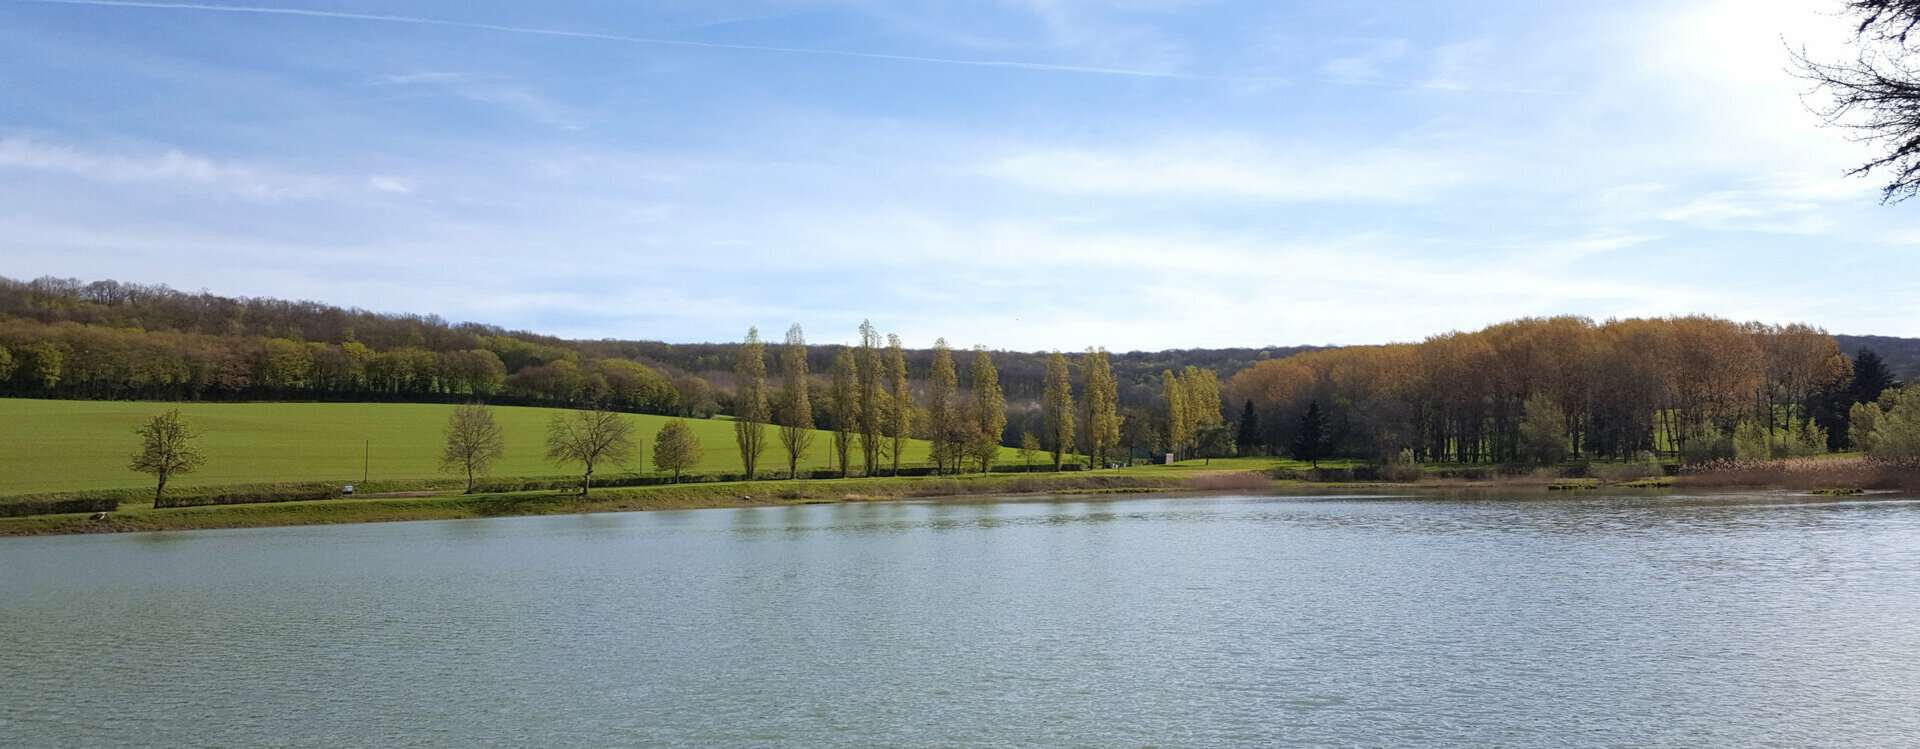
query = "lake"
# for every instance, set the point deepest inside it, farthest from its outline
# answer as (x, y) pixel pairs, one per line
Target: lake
(1739, 620)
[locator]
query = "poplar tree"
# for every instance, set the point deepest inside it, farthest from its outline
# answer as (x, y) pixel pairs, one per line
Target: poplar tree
(796, 415)
(1201, 390)
(1056, 406)
(940, 411)
(750, 402)
(845, 410)
(1101, 394)
(1178, 428)
(988, 410)
(900, 413)
(873, 397)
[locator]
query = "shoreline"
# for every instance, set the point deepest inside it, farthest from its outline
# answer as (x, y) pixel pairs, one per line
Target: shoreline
(776, 493)
(700, 496)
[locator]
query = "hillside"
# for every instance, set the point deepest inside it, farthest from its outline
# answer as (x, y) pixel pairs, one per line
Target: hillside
(1902, 355)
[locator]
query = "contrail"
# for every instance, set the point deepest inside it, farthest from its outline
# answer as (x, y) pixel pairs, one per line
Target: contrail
(644, 40)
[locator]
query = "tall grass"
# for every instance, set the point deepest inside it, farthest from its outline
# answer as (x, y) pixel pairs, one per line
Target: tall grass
(1805, 473)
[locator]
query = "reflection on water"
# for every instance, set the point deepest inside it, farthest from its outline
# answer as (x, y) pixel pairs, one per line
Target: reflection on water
(1469, 619)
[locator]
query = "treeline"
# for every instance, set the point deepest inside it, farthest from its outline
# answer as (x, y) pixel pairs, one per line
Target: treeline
(1538, 389)
(70, 338)
(107, 340)
(71, 360)
(1022, 375)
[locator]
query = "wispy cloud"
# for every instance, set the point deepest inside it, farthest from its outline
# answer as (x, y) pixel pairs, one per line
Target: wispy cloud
(241, 180)
(1238, 167)
(494, 90)
(382, 18)
(177, 169)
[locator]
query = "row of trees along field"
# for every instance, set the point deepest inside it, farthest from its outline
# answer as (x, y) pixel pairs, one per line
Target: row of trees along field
(870, 406)
(1541, 389)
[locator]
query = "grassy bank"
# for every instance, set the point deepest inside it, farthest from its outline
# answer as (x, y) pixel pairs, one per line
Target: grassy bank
(676, 497)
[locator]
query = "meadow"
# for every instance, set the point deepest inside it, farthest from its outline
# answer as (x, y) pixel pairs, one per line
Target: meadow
(63, 446)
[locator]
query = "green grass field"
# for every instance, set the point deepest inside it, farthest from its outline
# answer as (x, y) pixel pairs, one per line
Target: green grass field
(60, 446)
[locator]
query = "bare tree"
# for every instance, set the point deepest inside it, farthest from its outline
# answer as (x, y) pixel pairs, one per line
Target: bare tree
(166, 449)
(589, 437)
(474, 441)
(1877, 93)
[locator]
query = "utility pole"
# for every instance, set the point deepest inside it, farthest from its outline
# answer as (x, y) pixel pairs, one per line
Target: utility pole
(366, 457)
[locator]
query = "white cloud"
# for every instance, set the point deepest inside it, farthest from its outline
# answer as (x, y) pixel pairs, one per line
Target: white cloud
(385, 183)
(239, 179)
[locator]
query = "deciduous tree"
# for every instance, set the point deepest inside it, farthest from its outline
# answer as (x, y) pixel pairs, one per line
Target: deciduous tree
(590, 438)
(750, 403)
(942, 417)
(1543, 430)
(1877, 93)
(1056, 405)
(167, 449)
(899, 419)
(1178, 429)
(1101, 393)
(874, 406)
(675, 448)
(473, 442)
(796, 408)
(987, 410)
(1029, 447)
(844, 415)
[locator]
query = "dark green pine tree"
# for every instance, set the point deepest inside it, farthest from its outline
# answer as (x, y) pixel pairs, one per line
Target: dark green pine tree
(1311, 444)
(1247, 437)
(1870, 377)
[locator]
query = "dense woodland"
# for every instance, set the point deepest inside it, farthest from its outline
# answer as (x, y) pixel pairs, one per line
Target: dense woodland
(1541, 389)
(1531, 389)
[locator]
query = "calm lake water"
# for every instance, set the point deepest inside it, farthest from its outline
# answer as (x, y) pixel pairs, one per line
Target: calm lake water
(1738, 621)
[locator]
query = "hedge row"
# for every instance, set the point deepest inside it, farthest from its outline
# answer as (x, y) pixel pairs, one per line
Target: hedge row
(14, 508)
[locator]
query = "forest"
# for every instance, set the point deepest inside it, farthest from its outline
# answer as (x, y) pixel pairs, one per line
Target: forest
(1536, 389)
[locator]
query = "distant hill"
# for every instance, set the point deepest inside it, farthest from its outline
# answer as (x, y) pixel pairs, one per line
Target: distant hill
(1902, 355)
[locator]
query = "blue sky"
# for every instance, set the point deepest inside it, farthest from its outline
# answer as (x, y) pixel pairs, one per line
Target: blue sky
(1031, 174)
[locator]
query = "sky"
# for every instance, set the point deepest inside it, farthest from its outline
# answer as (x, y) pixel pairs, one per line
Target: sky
(1024, 175)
